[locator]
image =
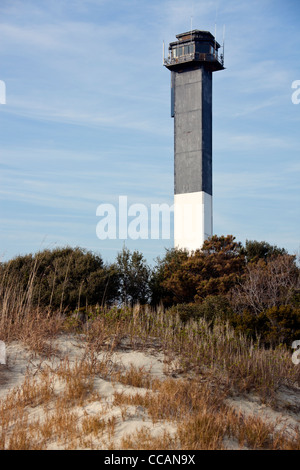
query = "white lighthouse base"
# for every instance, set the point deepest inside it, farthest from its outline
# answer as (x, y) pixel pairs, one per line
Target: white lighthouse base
(192, 220)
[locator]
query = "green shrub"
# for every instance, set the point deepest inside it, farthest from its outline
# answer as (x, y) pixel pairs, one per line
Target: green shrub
(255, 250)
(63, 278)
(282, 324)
(249, 324)
(185, 311)
(212, 307)
(273, 326)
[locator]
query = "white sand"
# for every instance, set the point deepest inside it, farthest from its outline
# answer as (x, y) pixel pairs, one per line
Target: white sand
(129, 418)
(286, 417)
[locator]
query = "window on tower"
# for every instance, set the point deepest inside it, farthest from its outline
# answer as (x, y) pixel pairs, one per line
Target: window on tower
(189, 49)
(203, 48)
(183, 50)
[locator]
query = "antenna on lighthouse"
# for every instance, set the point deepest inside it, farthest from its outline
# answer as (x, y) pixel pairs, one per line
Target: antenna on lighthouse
(215, 52)
(223, 42)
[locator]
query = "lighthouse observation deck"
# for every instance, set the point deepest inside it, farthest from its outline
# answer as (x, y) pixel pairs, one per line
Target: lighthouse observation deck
(192, 59)
(198, 47)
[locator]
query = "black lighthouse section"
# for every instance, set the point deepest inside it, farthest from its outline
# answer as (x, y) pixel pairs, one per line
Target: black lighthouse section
(192, 59)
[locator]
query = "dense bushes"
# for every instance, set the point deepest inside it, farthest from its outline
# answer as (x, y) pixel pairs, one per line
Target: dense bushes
(255, 287)
(63, 278)
(71, 278)
(254, 251)
(184, 278)
(211, 308)
(276, 325)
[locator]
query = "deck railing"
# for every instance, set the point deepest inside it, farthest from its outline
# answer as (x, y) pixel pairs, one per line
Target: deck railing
(201, 56)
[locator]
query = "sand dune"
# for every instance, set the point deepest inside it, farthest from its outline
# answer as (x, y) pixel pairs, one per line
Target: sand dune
(102, 417)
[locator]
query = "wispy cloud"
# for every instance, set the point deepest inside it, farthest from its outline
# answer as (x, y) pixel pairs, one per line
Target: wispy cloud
(87, 115)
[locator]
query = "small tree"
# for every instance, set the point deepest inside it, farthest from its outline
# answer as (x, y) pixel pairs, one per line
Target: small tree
(255, 251)
(167, 266)
(134, 275)
(267, 284)
(223, 266)
(210, 271)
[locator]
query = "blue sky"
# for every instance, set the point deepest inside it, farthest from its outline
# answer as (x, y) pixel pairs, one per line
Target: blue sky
(87, 118)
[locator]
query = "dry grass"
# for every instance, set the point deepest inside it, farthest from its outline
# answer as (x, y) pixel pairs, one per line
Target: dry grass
(216, 351)
(58, 392)
(213, 362)
(144, 440)
(20, 319)
(202, 420)
(194, 407)
(134, 376)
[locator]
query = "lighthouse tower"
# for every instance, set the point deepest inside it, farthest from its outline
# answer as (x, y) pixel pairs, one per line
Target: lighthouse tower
(191, 60)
